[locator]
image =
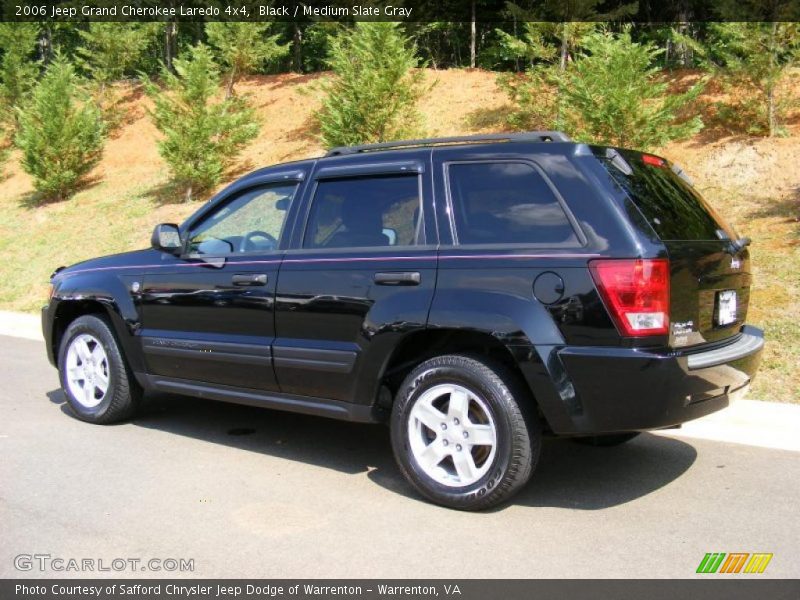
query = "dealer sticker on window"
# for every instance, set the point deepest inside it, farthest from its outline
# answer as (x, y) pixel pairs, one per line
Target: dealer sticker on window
(726, 307)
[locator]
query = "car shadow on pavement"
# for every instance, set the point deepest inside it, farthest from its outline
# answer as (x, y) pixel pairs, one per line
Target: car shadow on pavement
(346, 447)
(569, 475)
(57, 397)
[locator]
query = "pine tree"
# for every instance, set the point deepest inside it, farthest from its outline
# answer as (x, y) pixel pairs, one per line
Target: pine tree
(201, 136)
(548, 49)
(61, 132)
(18, 69)
(373, 94)
(613, 95)
(243, 47)
(109, 52)
(112, 50)
(535, 94)
(752, 59)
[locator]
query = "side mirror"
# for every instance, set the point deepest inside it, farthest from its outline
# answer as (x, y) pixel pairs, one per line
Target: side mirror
(167, 238)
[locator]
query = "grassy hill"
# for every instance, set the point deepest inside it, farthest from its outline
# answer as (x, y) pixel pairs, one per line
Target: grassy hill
(753, 181)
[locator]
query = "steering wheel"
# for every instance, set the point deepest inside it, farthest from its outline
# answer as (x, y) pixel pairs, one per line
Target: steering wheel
(247, 240)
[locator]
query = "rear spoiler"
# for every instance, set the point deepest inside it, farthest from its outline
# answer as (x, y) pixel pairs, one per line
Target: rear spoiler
(620, 163)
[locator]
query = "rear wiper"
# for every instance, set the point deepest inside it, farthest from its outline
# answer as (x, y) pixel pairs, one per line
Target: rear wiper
(620, 163)
(682, 174)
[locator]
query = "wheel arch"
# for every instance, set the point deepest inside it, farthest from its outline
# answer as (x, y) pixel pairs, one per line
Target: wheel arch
(67, 311)
(419, 346)
(108, 298)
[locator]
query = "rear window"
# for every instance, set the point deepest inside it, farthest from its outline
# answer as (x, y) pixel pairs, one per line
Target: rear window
(506, 203)
(674, 209)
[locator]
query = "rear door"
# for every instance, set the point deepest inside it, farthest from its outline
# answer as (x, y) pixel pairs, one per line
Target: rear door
(360, 275)
(709, 274)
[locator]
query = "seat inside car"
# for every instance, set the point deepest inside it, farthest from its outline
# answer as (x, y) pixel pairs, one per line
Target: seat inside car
(362, 225)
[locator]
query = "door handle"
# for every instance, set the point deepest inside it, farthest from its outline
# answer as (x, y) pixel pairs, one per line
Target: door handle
(402, 278)
(249, 280)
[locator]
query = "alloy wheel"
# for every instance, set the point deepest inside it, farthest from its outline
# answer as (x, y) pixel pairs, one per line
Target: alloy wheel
(452, 435)
(87, 370)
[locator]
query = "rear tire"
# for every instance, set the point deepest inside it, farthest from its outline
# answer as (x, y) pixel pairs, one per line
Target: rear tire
(607, 440)
(95, 379)
(461, 435)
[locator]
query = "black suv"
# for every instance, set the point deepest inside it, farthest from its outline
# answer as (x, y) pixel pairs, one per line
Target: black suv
(475, 293)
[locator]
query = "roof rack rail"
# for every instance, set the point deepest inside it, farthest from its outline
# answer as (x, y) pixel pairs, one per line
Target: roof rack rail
(527, 136)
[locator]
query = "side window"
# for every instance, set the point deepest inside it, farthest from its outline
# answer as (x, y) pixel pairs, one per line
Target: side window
(361, 212)
(250, 223)
(506, 203)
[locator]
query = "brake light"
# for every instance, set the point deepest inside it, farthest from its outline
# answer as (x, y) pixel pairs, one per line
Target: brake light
(653, 161)
(636, 293)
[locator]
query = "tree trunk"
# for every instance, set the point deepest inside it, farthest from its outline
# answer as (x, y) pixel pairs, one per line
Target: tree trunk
(681, 49)
(771, 110)
(47, 45)
(188, 193)
(231, 83)
(772, 81)
(297, 48)
(170, 33)
(562, 64)
(472, 37)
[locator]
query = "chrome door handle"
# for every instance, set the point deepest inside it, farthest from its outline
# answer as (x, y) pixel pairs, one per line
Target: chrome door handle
(249, 280)
(401, 278)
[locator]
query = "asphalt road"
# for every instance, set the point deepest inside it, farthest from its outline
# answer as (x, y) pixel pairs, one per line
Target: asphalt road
(255, 493)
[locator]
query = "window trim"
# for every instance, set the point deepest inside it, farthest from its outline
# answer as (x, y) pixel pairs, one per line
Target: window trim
(361, 174)
(573, 222)
(296, 176)
(377, 169)
(232, 197)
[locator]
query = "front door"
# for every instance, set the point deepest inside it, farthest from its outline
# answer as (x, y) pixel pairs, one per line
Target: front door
(359, 276)
(208, 316)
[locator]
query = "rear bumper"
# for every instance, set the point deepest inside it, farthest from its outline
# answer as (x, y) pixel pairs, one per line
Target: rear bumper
(620, 389)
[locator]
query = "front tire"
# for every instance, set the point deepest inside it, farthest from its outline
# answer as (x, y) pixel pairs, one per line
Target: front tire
(460, 435)
(93, 373)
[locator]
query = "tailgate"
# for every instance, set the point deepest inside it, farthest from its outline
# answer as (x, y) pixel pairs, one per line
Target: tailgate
(709, 291)
(709, 266)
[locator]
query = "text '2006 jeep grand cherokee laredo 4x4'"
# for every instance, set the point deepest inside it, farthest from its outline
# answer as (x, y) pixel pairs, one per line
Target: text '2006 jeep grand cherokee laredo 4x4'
(476, 293)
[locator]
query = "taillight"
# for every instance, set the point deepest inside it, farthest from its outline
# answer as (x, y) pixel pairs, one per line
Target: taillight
(636, 293)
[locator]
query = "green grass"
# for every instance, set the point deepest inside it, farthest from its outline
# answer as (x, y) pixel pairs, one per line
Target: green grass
(775, 294)
(34, 240)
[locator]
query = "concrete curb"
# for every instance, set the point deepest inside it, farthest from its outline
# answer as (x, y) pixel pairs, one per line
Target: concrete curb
(23, 325)
(749, 422)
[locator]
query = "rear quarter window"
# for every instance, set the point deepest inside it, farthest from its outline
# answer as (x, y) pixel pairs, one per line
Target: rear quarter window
(506, 202)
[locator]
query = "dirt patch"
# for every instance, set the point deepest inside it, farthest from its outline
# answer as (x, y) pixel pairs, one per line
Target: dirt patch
(766, 167)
